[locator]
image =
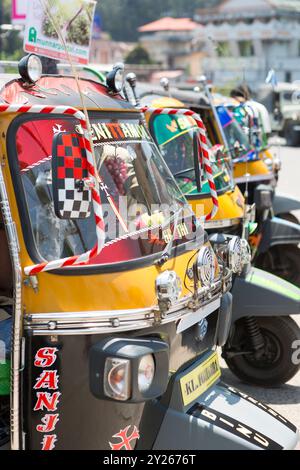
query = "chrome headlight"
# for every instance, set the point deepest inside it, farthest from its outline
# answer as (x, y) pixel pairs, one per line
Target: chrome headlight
(277, 164)
(235, 255)
(168, 287)
(30, 68)
(206, 266)
(146, 372)
(269, 163)
(246, 252)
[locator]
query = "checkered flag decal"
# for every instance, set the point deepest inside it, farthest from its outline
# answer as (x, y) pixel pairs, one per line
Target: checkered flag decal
(69, 167)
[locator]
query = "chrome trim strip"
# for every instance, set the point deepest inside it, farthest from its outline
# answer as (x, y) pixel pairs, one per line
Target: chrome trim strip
(194, 317)
(211, 224)
(250, 178)
(88, 323)
(13, 244)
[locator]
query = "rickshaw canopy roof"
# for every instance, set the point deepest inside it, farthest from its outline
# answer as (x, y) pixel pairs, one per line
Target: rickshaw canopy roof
(189, 98)
(56, 90)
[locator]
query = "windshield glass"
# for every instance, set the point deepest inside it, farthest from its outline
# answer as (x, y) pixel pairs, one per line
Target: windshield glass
(139, 196)
(236, 137)
(174, 135)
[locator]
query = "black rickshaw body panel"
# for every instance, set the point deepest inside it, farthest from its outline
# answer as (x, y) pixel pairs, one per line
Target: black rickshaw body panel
(78, 419)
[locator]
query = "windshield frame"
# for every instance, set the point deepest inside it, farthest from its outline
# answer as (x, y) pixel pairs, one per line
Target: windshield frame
(23, 210)
(196, 196)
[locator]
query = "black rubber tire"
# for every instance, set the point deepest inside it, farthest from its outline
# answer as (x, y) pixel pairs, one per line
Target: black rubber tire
(289, 217)
(281, 333)
(283, 261)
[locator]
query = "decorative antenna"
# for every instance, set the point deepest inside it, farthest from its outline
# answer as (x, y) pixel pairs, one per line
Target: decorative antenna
(165, 84)
(131, 80)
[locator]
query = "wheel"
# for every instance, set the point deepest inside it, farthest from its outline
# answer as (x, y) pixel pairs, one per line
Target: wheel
(283, 261)
(272, 365)
(292, 136)
(289, 217)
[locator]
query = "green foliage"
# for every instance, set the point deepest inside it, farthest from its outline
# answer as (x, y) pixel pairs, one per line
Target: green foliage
(138, 55)
(121, 18)
(6, 12)
(74, 19)
(10, 43)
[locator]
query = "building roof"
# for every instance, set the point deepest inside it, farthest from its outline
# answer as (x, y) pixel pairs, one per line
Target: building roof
(248, 8)
(287, 5)
(169, 24)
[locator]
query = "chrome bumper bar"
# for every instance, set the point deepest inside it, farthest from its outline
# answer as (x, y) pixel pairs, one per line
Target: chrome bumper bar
(115, 321)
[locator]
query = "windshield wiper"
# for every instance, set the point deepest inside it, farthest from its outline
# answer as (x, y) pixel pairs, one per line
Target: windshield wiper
(183, 172)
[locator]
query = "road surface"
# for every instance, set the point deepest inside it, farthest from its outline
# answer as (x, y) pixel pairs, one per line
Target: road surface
(286, 399)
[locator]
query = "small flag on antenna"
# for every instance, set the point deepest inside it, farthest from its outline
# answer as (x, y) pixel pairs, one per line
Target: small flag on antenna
(272, 78)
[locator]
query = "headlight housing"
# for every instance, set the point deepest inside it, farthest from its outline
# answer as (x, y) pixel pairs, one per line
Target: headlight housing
(233, 252)
(246, 252)
(115, 78)
(269, 163)
(168, 288)
(30, 68)
(206, 266)
(277, 164)
(129, 369)
(235, 255)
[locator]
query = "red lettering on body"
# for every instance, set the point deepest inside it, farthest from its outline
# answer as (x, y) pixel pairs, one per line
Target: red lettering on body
(48, 401)
(45, 357)
(48, 443)
(48, 423)
(47, 379)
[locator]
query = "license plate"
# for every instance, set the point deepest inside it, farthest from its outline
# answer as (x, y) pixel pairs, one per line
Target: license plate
(200, 379)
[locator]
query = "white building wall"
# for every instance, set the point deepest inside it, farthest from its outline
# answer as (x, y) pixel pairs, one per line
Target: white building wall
(276, 45)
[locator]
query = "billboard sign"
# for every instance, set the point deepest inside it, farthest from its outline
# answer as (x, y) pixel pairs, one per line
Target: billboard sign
(48, 22)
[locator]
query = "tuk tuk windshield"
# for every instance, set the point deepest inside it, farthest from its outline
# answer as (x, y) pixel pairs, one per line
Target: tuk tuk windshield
(234, 133)
(174, 135)
(139, 196)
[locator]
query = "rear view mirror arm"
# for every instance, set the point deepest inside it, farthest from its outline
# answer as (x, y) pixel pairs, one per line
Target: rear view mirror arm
(196, 154)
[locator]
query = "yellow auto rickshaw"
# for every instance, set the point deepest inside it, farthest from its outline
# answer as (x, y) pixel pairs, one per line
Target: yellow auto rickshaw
(275, 242)
(248, 351)
(117, 298)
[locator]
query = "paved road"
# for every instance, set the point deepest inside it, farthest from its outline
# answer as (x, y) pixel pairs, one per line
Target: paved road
(285, 399)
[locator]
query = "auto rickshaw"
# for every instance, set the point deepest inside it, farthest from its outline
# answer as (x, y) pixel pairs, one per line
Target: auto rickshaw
(258, 348)
(254, 119)
(118, 300)
(275, 243)
(258, 127)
